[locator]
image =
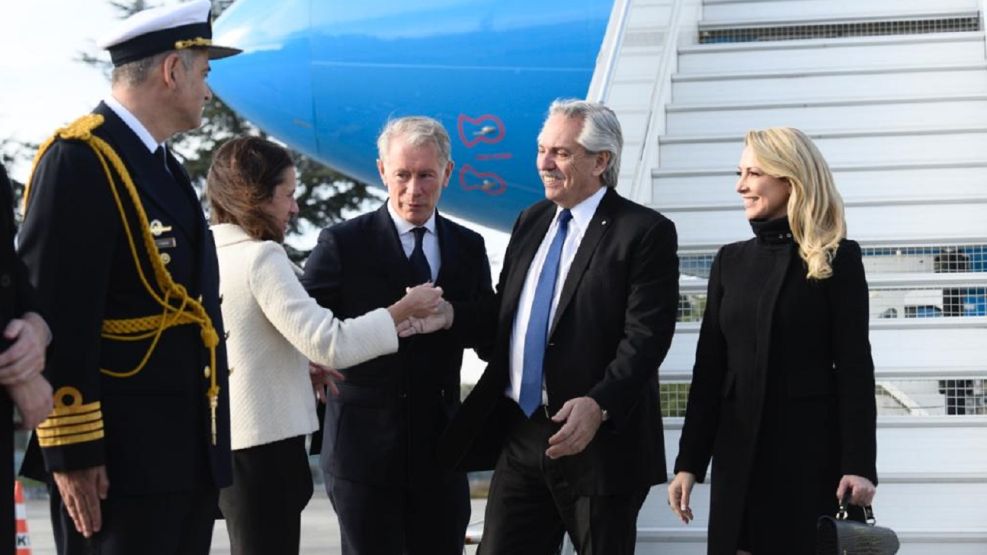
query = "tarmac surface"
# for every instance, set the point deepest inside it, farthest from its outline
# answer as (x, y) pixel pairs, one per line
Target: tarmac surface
(320, 531)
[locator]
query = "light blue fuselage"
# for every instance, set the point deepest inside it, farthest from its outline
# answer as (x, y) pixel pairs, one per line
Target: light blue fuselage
(324, 76)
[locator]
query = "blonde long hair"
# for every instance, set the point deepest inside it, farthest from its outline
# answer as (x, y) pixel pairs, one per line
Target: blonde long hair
(815, 207)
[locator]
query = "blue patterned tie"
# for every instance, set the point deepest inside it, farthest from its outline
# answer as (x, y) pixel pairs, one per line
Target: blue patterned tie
(537, 334)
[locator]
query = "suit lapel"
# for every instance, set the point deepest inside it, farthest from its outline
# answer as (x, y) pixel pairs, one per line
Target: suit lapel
(598, 227)
(448, 249)
(389, 254)
(530, 241)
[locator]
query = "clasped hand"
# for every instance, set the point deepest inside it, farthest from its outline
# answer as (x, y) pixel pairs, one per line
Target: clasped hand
(21, 365)
(439, 317)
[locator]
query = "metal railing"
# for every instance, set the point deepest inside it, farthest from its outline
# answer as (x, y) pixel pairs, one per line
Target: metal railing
(613, 39)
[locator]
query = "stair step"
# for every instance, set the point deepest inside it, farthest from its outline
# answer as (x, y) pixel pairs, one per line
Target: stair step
(860, 52)
(724, 13)
(845, 114)
(811, 84)
(879, 147)
(946, 222)
(895, 506)
(858, 184)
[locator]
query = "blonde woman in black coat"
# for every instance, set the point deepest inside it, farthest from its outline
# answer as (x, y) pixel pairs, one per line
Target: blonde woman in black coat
(782, 395)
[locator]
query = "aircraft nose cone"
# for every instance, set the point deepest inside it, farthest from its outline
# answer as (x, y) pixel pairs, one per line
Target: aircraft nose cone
(269, 83)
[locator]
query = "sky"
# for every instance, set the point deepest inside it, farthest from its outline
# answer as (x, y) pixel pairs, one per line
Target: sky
(45, 87)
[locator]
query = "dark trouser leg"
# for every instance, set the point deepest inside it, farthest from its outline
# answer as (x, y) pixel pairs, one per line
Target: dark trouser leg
(602, 524)
(437, 516)
(161, 524)
(521, 516)
(531, 503)
(272, 484)
(371, 518)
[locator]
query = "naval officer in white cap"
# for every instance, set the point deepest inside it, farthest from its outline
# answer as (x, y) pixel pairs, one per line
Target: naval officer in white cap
(114, 238)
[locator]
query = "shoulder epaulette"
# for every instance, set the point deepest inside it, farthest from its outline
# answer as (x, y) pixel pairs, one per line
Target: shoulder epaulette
(81, 128)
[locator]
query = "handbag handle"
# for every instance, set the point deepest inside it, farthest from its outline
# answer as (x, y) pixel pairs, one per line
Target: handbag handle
(841, 514)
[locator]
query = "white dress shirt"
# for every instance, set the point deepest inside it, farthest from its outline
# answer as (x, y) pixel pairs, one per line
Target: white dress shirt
(582, 214)
(430, 241)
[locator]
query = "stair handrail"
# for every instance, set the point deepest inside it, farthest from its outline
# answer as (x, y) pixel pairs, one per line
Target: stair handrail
(682, 21)
(613, 40)
(983, 23)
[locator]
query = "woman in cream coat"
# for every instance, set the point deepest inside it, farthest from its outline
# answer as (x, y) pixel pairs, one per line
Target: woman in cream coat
(274, 330)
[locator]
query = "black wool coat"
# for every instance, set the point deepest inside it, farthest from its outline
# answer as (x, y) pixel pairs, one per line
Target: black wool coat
(782, 396)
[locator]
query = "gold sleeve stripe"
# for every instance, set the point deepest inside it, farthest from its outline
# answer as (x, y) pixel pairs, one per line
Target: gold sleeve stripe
(68, 400)
(69, 430)
(69, 440)
(59, 421)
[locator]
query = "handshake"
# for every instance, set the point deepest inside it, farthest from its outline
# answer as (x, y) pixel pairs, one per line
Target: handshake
(421, 310)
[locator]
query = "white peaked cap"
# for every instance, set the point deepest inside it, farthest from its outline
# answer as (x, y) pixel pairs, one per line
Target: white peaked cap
(157, 30)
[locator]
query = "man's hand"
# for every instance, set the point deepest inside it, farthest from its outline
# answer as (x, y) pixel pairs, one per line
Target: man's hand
(582, 417)
(440, 320)
(322, 377)
(679, 492)
(25, 358)
(81, 492)
(419, 301)
(33, 400)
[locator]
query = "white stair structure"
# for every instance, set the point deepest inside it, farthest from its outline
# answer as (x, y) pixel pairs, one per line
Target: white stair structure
(894, 92)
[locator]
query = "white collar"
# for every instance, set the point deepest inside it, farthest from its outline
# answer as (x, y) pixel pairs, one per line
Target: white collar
(404, 226)
(133, 123)
(583, 212)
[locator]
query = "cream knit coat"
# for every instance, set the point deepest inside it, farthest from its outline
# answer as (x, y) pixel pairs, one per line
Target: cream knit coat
(274, 329)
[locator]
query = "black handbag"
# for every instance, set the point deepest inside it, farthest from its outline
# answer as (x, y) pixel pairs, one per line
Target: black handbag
(840, 536)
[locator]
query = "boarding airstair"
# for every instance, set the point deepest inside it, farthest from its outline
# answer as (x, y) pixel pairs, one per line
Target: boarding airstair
(894, 92)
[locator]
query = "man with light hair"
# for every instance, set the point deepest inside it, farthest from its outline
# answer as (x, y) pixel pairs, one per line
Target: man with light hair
(137, 445)
(380, 433)
(567, 412)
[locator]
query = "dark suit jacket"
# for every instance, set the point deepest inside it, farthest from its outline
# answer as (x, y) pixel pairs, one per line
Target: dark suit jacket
(612, 328)
(383, 427)
(156, 424)
(16, 298)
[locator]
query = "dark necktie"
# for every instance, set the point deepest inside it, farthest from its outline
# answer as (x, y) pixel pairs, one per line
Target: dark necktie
(161, 154)
(537, 333)
(422, 271)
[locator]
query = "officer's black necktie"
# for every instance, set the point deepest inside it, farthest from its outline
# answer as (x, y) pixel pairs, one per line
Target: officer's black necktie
(162, 155)
(423, 272)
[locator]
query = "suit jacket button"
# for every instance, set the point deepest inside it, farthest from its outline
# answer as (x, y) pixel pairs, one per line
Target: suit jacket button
(551, 343)
(5, 280)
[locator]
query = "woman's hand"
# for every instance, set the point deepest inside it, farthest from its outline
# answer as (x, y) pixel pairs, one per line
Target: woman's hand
(420, 301)
(861, 490)
(679, 491)
(322, 377)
